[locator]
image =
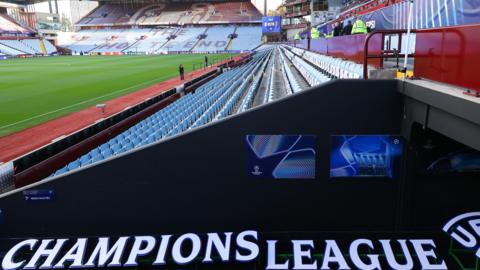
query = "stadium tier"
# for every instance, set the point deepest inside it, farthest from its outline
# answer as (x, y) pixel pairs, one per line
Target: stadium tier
(9, 26)
(246, 37)
(217, 38)
(30, 46)
(282, 70)
(171, 13)
(173, 39)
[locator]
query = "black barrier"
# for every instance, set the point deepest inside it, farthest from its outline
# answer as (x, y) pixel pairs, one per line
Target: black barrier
(198, 180)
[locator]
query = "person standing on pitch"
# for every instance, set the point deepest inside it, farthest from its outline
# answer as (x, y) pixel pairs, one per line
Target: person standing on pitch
(206, 61)
(181, 70)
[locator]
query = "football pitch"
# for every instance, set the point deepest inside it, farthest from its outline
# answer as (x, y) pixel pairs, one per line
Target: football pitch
(35, 90)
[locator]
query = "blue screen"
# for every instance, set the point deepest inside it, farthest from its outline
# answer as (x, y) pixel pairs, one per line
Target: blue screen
(281, 156)
(366, 156)
(271, 24)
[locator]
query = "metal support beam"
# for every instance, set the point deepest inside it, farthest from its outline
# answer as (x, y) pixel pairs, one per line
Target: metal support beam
(50, 6)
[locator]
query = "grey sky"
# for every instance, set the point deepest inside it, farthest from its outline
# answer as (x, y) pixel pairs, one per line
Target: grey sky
(271, 4)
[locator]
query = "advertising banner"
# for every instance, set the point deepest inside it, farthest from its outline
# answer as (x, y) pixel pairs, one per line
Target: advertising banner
(271, 24)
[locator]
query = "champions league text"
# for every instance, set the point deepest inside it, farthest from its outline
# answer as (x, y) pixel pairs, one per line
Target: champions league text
(225, 248)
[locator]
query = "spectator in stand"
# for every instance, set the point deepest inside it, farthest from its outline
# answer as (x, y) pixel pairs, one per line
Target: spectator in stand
(347, 30)
(338, 30)
(359, 27)
(314, 33)
(181, 70)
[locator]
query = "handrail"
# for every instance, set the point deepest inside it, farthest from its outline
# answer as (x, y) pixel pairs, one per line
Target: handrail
(384, 53)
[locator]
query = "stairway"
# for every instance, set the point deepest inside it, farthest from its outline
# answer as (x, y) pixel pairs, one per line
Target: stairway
(229, 45)
(132, 45)
(168, 40)
(198, 41)
(42, 46)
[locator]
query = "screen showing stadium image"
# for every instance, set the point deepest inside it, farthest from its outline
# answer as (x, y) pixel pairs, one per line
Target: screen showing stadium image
(271, 24)
(366, 156)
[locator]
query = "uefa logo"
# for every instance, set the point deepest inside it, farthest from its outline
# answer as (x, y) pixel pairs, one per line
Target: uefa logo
(465, 229)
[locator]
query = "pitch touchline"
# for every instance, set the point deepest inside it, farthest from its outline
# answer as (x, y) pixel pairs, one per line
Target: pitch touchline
(76, 104)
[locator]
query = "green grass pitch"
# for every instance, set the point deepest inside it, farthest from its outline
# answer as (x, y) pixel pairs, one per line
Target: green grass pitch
(33, 91)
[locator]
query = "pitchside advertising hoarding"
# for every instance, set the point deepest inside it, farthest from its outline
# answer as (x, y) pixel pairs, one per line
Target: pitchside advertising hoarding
(457, 247)
(271, 24)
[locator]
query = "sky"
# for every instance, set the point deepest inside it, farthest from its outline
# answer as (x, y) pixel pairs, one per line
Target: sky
(271, 4)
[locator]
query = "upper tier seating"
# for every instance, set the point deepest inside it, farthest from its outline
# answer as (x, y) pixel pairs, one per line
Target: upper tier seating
(198, 12)
(235, 12)
(172, 13)
(248, 37)
(8, 25)
(214, 100)
(169, 14)
(108, 14)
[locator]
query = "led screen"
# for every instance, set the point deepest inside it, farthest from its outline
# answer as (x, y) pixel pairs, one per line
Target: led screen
(281, 156)
(271, 24)
(365, 156)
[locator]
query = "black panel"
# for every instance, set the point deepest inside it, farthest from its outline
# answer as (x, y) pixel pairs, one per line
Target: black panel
(198, 181)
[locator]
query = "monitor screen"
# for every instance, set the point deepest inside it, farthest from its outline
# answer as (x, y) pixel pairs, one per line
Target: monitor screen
(281, 156)
(365, 156)
(271, 24)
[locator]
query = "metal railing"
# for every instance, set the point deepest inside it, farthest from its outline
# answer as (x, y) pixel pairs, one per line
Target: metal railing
(384, 53)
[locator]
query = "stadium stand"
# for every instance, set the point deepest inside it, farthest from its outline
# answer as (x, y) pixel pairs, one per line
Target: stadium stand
(179, 27)
(7, 50)
(173, 39)
(173, 13)
(273, 72)
(247, 38)
(19, 46)
(9, 26)
(151, 41)
(216, 40)
(184, 39)
(213, 100)
(411, 143)
(335, 67)
(30, 46)
(106, 14)
(235, 12)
